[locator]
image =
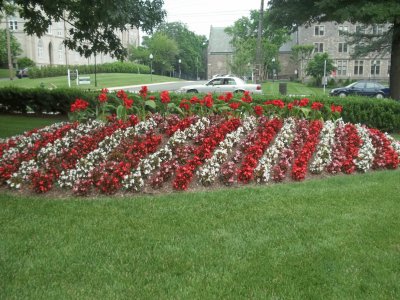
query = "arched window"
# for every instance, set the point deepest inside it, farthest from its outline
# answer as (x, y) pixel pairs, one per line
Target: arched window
(40, 49)
(61, 53)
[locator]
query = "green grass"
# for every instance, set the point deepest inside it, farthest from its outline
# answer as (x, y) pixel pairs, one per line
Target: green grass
(14, 124)
(334, 238)
(293, 88)
(4, 73)
(104, 80)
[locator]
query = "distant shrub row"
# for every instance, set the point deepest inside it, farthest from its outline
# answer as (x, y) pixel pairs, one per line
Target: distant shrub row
(115, 67)
(383, 114)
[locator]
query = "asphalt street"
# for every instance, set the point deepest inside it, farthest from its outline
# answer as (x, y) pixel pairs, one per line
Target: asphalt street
(158, 87)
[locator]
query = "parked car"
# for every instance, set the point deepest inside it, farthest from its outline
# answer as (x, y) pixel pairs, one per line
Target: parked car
(222, 84)
(363, 88)
(22, 73)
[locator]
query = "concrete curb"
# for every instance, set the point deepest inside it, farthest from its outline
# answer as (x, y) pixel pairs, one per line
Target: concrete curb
(140, 85)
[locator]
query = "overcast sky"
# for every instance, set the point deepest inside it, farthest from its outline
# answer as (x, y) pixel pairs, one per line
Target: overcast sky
(199, 15)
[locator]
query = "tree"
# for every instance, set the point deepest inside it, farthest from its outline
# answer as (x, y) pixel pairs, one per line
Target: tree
(244, 36)
(15, 47)
(292, 13)
(316, 67)
(300, 55)
(139, 54)
(191, 48)
(164, 52)
(25, 62)
(94, 23)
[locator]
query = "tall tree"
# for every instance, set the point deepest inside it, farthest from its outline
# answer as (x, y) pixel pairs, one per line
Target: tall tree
(244, 32)
(301, 54)
(317, 67)
(191, 48)
(292, 13)
(15, 47)
(93, 23)
(164, 52)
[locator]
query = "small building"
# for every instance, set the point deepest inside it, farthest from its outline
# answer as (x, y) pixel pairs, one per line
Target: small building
(219, 52)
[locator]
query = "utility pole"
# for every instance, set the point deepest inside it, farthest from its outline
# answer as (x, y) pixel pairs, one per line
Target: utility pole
(10, 66)
(259, 63)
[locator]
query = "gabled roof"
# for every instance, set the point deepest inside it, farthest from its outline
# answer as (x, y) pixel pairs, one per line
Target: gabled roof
(219, 41)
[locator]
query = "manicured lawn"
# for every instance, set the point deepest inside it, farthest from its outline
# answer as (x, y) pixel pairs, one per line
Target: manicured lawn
(103, 80)
(293, 88)
(333, 238)
(14, 124)
(4, 73)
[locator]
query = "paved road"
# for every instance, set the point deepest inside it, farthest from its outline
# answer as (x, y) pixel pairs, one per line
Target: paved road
(158, 87)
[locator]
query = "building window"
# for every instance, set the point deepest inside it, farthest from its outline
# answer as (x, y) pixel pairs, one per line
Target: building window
(318, 47)
(61, 53)
(319, 30)
(358, 67)
(40, 49)
(360, 29)
(377, 29)
(50, 30)
(342, 47)
(343, 30)
(375, 67)
(341, 67)
(13, 25)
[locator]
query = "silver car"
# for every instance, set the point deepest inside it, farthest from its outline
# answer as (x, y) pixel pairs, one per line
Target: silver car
(222, 84)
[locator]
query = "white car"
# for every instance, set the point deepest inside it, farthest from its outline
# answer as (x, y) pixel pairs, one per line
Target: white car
(222, 84)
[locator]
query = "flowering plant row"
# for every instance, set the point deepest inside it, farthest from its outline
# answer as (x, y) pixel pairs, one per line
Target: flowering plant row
(181, 153)
(142, 104)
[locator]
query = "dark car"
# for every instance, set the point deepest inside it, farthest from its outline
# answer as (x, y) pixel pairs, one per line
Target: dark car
(22, 73)
(362, 88)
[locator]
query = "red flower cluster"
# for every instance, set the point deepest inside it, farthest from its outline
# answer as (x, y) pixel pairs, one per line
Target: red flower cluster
(299, 168)
(265, 136)
(184, 174)
(247, 97)
(181, 125)
(226, 97)
(338, 151)
(277, 103)
(258, 110)
(79, 105)
(354, 143)
(143, 92)
(165, 97)
(317, 106)
(234, 105)
(41, 183)
(385, 155)
(185, 104)
(337, 108)
(166, 171)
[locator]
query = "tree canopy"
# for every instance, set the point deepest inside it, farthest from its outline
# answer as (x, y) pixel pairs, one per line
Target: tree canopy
(93, 23)
(15, 47)
(244, 37)
(292, 13)
(316, 67)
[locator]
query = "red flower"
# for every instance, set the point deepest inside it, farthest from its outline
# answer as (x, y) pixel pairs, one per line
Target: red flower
(246, 97)
(78, 105)
(121, 94)
(290, 106)
(277, 103)
(336, 108)
(103, 98)
(208, 101)
(104, 91)
(234, 105)
(194, 100)
(304, 102)
(317, 106)
(152, 97)
(143, 92)
(165, 97)
(128, 103)
(258, 110)
(185, 104)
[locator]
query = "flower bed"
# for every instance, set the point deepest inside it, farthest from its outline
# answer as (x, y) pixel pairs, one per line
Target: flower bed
(211, 141)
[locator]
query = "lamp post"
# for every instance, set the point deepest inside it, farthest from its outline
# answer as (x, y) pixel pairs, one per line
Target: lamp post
(273, 69)
(151, 66)
(374, 62)
(179, 61)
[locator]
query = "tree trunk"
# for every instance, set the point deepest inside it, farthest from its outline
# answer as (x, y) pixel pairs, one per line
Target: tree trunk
(395, 62)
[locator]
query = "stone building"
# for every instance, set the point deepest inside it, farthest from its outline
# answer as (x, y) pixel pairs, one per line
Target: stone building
(219, 52)
(50, 50)
(328, 37)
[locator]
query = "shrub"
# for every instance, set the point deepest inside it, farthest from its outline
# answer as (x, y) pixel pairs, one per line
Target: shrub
(115, 67)
(25, 62)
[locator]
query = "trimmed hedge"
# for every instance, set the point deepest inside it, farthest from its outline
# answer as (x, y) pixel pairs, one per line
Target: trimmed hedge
(383, 114)
(115, 67)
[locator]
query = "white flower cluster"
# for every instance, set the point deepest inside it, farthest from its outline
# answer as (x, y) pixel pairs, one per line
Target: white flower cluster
(86, 164)
(323, 156)
(135, 180)
(395, 144)
(52, 149)
(271, 155)
(24, 143)
(366, 153)
(208, 173)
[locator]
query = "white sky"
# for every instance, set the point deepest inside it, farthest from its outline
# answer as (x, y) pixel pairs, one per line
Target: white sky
(199, 15)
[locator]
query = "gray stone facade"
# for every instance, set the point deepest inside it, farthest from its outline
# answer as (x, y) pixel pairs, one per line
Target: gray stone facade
(219, 52)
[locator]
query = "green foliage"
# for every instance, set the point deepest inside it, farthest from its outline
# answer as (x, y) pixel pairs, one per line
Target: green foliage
(114, 67)
(300, 55)
(164, 50)
(139, 55)
(316, 66)
(244, 36)
(25, 62)
(95, 24)
(15, 47)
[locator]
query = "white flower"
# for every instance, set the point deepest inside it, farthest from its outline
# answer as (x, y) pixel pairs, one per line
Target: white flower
(323, 156)
(367, 151)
